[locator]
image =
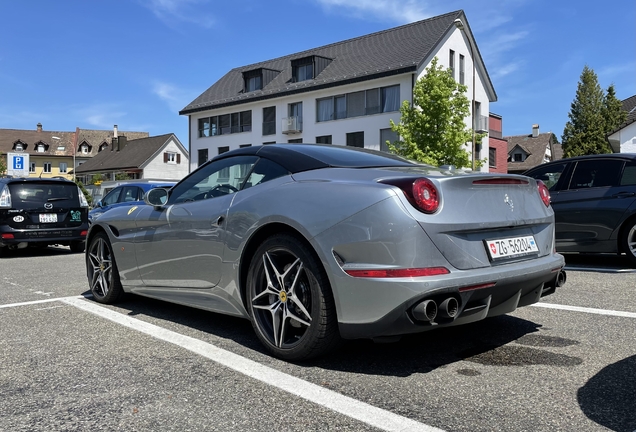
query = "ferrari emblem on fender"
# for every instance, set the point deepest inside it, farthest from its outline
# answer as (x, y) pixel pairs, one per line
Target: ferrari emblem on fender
(132, 209)
(508, 201)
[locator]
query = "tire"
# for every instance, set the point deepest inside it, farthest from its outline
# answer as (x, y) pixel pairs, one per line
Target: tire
(103, 277)
(299, 321)
(77, 246)
(628, 240)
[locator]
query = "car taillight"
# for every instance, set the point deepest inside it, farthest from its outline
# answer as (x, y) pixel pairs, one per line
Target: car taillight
(397, 273)
(5, 197)
(425, 195)
(82, 198)
(544, 192)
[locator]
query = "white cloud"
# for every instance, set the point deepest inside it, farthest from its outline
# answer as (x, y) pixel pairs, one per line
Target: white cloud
(100, 116)
(405, 11)
(175, 97)
(172, 12)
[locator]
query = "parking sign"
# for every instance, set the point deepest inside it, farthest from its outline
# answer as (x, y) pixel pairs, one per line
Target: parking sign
(18, 164)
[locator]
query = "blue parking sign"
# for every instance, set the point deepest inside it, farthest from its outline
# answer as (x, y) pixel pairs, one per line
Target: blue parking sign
(18, 163)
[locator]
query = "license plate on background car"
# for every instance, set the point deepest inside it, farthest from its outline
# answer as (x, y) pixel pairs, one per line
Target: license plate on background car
(48, 217)
(511, 247)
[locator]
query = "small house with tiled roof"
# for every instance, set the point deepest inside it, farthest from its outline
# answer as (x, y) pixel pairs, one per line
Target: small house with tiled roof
(161, 157)
(55, 153)
(344, 93)
(528, 151)
(623, 140)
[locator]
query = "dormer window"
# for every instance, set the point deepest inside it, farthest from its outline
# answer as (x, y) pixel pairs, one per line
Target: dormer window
(308, 68)
(40, 148)
(18, 147)
(257, 79)
(84, 149)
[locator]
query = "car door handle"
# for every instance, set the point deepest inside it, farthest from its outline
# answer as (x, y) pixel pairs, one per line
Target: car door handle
(623, 195)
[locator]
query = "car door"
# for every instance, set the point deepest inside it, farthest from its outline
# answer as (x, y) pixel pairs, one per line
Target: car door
(592, 205)
(180, 245)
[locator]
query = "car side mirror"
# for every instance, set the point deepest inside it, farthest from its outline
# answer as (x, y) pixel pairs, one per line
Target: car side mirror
(99, 204)
(156, 197)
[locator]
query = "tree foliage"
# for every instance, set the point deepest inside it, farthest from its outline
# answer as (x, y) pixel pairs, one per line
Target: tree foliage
(86, 193)
(3, 163)
(432, 129)
(593, 114)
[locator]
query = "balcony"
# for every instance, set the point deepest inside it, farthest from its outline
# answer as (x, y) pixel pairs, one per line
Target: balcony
(481, 124)
(292, 125)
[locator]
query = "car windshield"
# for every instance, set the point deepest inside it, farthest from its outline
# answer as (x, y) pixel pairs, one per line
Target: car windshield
(31, 195)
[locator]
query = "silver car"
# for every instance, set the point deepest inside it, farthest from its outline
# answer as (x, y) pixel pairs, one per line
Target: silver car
(319, 243)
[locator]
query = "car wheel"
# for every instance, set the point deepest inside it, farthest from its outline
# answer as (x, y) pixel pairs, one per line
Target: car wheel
(103, 277)
(290, 300)
(628, 240)
(77, 246)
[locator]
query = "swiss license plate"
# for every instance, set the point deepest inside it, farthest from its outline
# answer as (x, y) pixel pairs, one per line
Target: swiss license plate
(511, 247)
(48, 217)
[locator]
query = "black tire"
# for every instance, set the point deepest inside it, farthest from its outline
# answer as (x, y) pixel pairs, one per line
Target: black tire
(298, 320)
(103, 277)
(77, 246)
(628, 240)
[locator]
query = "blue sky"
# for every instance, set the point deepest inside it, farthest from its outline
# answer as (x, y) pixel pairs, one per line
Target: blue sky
(136, 63)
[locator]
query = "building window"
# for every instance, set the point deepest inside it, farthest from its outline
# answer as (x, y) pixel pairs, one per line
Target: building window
(295, 141)
(451, 63)
(225, 124)
(40, 148)
(269, 120)
(355, 139)
(47, 167)
(492, 157)
(224, 149)
(171, 158)
(245, 145)
(63, 167)
(269, 142)
(253, 83)
(203, 156)
(18, 147)
(387, 135)
(368, 102)
(325, 139)
(462, 63)
(32, 167)
(517, 157)
(84, 149)
(303, 69)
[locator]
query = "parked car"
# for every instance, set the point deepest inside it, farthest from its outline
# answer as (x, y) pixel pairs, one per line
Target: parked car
(594, 201)
(42, 212)
(314, 243)
(127, 195)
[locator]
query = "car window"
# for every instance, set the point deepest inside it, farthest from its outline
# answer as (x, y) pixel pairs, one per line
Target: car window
(596, 173)
(129, 193)
(112, 197)
(265, 170)
(629, 175)
(222, 177)
(30, 195)
(549, 175)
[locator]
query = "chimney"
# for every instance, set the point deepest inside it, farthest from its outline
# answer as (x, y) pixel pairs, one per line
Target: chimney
(114, 143)
(39, 126)
(121, 142)
(115, 131)
(535, 130)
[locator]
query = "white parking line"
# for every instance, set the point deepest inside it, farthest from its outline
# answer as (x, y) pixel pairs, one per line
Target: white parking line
(373, 416)
(34, 302)
(587, 310)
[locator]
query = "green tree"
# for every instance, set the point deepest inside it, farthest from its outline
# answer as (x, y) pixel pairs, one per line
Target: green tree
(432, 129)
(585, 132)
(122, 176)
(613, 112)
(86, 193)
(3, 163)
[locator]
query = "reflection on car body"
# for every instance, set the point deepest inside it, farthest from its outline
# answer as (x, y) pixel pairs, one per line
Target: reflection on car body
(314, 243)
(594, 200)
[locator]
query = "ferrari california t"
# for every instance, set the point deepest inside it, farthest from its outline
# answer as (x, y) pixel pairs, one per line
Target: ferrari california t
(318, 243)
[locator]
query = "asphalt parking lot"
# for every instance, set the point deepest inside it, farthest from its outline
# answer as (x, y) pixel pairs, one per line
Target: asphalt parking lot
(68, 363)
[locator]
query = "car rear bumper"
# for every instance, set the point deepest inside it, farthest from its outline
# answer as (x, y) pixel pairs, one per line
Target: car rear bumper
(62, 236)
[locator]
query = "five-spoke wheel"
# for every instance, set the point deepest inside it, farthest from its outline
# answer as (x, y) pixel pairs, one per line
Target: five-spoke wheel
(102, 270)
(290, 300)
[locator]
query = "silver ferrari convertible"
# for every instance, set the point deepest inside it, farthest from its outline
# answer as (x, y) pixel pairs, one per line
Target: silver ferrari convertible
(318, 243)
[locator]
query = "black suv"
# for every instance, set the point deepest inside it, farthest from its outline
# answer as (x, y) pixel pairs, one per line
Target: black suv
(42, 212)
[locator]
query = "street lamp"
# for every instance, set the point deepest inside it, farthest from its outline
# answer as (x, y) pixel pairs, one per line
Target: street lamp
(460, 26)
(58, 138)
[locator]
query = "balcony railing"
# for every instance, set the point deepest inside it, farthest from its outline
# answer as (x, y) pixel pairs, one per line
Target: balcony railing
(481, 124)
(292, 125)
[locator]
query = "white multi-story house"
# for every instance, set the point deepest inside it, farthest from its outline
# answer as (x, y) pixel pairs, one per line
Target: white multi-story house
(623, 139)
(344, 93)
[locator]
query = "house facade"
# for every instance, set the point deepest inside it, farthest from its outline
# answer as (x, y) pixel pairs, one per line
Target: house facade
(497, 145)
(55, 153)
(623, 140)
(345, 93)
(528, 151)
(161, 157)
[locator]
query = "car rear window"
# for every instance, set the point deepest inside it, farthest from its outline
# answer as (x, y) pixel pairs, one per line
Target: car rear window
(31, 195)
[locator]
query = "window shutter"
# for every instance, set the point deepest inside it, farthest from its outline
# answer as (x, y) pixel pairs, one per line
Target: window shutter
(165, 157)
(178, 158)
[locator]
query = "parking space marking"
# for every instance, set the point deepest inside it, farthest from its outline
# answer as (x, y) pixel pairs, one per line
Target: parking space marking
(599, 269)
(373, 416)
(586, 310)
(34, 302)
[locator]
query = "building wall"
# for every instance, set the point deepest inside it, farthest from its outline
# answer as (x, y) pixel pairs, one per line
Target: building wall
(627, 138)
(501, 150)
(158, 169)
(55, 166)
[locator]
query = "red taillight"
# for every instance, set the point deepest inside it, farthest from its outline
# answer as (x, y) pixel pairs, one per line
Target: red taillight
(394, 273)
(7, 236)
(83, 233)
(476, 287)
(425, 195)
(544, 192)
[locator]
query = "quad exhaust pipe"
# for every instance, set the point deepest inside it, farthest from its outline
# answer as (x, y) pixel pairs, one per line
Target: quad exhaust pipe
(428, 310)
